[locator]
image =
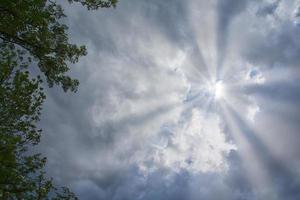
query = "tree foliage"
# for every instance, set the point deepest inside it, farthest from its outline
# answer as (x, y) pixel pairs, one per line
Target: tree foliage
(35, 25)
(21, 173)
(95, 4)
(31, 34)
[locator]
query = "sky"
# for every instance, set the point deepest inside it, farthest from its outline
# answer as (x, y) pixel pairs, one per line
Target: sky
(180, 100)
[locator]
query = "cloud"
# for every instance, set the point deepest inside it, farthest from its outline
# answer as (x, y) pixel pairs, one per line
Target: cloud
(269, 40)
(227, 10)
(256, 76)
(297, 15)
(196, 145)
(268, 9)
(144, 123)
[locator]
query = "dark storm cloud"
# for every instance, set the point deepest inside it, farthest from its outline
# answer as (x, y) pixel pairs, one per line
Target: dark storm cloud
(95, 139)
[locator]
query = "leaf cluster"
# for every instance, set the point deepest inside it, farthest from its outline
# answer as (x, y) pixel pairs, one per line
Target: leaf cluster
(21, 97)
(95, 4)
(35, 26)
(32, 34)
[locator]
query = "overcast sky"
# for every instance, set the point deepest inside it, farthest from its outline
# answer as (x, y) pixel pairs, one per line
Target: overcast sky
(184, 100)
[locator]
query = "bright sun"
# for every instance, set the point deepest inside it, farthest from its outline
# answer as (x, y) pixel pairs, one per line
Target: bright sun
(217, 90)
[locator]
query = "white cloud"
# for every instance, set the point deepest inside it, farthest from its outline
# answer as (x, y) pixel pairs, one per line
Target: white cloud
(197, 145)
(252, 111)
(145, 100)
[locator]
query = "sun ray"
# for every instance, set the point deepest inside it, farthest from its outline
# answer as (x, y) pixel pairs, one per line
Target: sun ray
(256, 171)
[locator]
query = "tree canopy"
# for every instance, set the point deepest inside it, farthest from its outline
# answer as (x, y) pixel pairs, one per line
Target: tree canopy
(35, 25)
(32, 34)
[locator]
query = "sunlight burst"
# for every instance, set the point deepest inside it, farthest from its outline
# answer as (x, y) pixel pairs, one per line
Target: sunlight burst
(217, 90)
